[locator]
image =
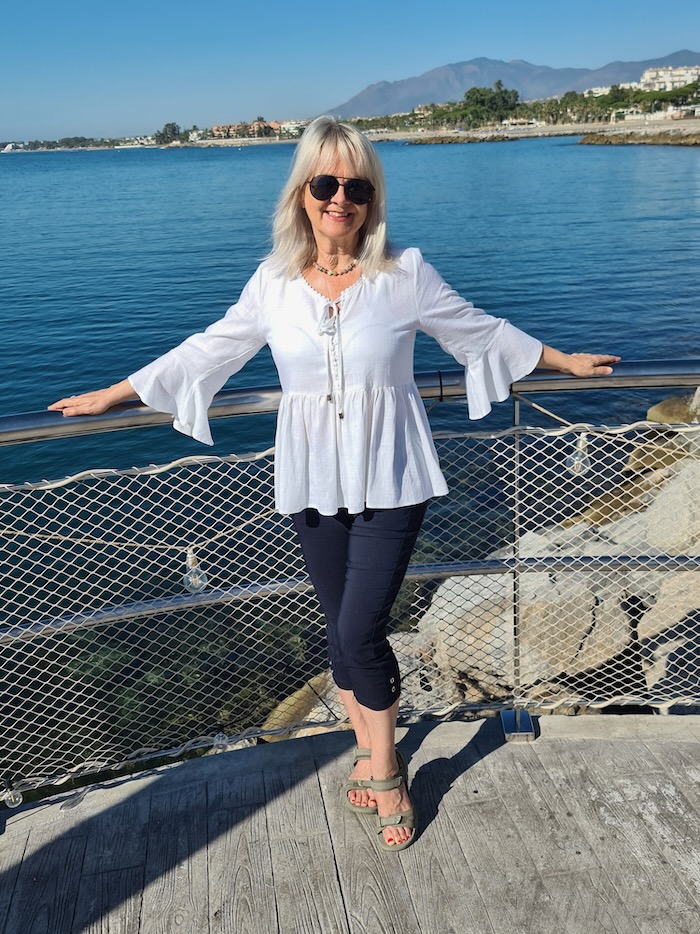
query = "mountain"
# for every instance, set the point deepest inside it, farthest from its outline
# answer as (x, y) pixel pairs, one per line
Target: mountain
(449, 82)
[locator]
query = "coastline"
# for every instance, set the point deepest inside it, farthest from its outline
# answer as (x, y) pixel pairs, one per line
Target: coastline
(650, 132)
(659, 132)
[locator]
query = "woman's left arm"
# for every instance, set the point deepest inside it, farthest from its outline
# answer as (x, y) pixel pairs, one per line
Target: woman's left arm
(577, 364)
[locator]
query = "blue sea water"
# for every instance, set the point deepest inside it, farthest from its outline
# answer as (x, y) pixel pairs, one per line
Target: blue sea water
(110, 258)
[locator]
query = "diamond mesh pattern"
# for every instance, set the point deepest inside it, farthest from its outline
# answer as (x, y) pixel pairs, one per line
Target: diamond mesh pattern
(562, 569)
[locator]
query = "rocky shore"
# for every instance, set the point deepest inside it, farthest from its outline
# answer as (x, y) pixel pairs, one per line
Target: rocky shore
(669, 138)
(657, 132)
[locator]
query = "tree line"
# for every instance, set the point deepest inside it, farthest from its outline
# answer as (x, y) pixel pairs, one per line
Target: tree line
(485, 106)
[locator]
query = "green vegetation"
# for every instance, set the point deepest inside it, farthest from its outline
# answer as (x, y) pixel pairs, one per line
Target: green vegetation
(72, 142)
(488, 106)
(171, 133)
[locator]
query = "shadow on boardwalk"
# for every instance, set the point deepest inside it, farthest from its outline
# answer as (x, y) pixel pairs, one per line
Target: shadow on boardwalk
(594, 827)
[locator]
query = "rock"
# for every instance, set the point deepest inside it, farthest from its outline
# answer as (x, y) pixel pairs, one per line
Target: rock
(629, 497)
(658, 666)
(668, 138)
(296, 708)
(676, 410)
(570, 622)
(652, 455)
(678, 597)
(673, 516)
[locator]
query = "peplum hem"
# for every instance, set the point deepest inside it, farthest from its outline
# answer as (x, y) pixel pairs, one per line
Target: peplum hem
(380, 455)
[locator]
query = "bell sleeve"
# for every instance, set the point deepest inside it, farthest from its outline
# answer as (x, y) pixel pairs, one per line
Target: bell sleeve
(494, 352)
(184, 381)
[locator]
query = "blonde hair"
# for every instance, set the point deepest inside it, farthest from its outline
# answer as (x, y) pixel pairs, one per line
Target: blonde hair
(326, 141)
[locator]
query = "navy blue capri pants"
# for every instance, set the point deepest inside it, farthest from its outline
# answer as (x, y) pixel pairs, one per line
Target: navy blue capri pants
(357, 563)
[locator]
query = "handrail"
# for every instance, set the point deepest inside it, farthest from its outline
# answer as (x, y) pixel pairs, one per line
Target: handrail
(436, 385)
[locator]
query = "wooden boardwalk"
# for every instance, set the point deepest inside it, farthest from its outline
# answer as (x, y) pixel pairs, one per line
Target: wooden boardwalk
(594, 827)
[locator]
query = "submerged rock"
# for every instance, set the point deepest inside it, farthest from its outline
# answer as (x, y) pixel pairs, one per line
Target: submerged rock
(676, 410)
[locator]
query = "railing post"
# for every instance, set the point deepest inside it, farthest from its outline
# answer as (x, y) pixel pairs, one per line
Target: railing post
(517, 723)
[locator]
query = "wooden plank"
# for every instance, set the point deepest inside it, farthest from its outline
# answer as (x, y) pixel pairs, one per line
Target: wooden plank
(176, 894)
(684, 922)
(624, 757)
(117, 836)
(673, 823)
(519, 904)
(490, 839)
(437, 866)
(236, 790)
(47, 887)
(309, 900)
(588, 902)
(681, 761)
(505, 882)
(11, 853)
(548, 830)
(241, 886)
(294, 804)
(463, 772)
(622, 843)
(109, 902)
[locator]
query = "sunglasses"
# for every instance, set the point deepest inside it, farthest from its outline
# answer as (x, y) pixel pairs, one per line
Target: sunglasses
(357, 190)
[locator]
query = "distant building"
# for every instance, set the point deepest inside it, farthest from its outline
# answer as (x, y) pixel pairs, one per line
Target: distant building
(227, 130)
(668, 79)
(293, 128)
(601, 92)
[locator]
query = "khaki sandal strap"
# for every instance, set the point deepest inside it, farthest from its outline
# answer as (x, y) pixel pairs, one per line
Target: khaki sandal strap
(360, 753)
(386, 784)
(405, 819)
(357, 784)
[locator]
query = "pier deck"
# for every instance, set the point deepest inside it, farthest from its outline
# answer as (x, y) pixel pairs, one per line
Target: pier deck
(594, 827)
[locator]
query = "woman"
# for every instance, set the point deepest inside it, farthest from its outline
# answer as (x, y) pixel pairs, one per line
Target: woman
(355, 462)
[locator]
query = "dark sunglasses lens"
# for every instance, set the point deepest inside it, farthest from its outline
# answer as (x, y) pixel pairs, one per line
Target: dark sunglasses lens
(323, 187)
(359, 191)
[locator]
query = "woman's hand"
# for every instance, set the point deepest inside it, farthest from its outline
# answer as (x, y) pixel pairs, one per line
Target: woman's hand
(591, 364)
(97, 402)
(578, 364)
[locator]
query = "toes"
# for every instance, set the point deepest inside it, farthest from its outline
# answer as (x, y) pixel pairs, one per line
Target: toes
(394, 835)
(361, 799)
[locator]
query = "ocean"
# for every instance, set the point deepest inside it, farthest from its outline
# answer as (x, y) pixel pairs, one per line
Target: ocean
(111, 257)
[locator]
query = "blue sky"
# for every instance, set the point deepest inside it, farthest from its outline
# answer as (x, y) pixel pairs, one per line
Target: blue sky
(103, 68)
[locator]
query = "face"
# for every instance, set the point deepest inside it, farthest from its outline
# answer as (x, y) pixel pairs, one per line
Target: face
(337, 219)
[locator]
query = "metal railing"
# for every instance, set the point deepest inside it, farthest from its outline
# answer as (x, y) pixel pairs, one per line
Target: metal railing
(150, 611)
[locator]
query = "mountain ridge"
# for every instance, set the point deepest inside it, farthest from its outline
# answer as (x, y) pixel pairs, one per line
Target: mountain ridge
(449, 82)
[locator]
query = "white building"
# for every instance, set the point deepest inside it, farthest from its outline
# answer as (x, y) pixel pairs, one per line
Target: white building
(601, 92)
(668, 79)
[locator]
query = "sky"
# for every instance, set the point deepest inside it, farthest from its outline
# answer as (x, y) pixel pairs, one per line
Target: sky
(105, 68)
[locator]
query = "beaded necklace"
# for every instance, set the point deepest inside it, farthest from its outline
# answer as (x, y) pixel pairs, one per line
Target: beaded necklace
(335, 272)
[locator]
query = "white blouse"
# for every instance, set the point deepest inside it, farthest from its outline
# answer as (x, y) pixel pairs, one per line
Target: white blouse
(352, 429)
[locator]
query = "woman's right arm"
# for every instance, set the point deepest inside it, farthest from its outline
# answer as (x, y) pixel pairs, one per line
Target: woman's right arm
(97, 402)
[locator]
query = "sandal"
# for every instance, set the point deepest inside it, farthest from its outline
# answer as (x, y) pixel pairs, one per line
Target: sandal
(359, 784)
(404, 819)
(362, 784)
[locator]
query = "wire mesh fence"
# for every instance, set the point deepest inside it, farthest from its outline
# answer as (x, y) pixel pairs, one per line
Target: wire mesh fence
(151, 611)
